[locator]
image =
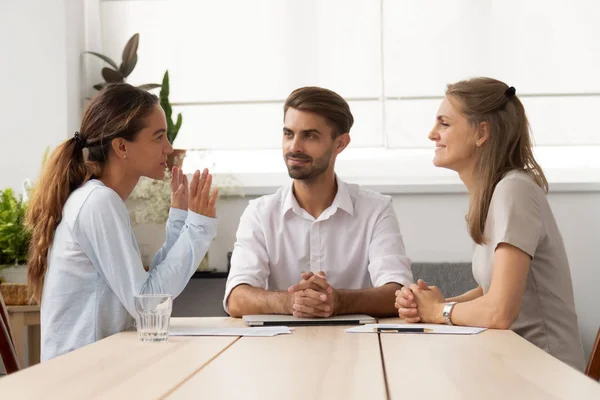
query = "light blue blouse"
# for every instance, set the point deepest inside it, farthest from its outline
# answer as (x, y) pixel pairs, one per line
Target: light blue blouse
(95, 268)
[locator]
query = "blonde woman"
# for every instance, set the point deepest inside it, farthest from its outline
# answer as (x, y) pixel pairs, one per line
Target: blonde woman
(519, 259)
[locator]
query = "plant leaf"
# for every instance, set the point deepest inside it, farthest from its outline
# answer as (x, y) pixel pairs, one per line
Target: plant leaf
(164, 97)
(164, 91)
(149, 86)
(129, 52)
(103, 57)
(178, 123)
(14, 235)
(176, 128)
(45, 157)
(99, 86)
(111, 76)
(127, 68)
(170, 136)
(168, 112)
(166, 106)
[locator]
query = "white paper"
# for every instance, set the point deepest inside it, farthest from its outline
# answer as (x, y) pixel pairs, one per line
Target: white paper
(436, 329)
(254, 331)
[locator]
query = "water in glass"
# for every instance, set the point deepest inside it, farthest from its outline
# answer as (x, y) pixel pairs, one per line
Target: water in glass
(154, 313)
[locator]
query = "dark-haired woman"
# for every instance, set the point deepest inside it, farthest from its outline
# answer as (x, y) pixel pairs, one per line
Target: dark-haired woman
(85, 266)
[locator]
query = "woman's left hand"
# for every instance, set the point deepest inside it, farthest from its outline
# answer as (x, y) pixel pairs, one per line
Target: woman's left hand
(179, 189)
(430, 302)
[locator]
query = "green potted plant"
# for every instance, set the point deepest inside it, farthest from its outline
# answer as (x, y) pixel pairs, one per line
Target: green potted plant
(175, 158)
(14, 238)
(121, 72)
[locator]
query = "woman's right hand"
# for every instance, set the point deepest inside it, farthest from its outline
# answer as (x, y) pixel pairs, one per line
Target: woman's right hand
(200, 199)
(406, 305)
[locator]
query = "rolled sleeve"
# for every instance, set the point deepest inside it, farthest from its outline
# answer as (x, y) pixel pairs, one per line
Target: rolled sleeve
(250, 260)
(388, 261)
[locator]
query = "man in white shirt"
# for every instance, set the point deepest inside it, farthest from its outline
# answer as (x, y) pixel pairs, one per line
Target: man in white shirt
(320, 246)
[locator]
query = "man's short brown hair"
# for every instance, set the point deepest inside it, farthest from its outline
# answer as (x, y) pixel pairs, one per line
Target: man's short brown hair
(325, 103)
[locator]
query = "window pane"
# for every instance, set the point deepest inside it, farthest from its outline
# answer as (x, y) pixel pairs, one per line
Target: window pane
(429, 44)
(538, 46)
(546, 46)
(259, 126)
(408, 122)
(562, 120)
(250, 50)
(554, 121)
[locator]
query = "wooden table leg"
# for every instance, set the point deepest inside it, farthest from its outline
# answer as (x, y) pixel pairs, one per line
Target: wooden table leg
(34, 339)
(17, 320)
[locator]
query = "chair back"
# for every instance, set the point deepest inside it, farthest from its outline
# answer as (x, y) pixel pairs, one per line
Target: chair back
(8, 352)
(593, 366)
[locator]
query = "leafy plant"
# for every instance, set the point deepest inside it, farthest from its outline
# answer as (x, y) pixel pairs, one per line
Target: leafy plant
(172, 128)
(128, 63)
(14, 235)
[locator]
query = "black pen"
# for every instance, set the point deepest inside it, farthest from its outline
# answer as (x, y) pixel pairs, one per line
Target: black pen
(403, 330)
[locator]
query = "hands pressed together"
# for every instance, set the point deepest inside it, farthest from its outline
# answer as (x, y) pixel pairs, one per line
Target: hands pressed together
(197, 197)
(420, 303)
(313, 297)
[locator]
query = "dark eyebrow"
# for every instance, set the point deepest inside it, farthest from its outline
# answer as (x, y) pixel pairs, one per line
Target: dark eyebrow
(304, 131)
(159, 131)
(312, 131)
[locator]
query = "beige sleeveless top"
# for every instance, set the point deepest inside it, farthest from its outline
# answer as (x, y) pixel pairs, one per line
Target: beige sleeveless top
(520, 215)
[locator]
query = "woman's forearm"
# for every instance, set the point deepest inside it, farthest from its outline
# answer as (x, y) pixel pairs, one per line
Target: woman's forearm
(468, 296)
(484, 312)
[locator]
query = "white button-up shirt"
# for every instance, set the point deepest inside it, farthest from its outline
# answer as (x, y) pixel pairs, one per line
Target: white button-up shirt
(356, 242)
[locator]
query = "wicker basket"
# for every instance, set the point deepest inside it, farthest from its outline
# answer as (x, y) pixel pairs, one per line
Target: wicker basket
(14, 294)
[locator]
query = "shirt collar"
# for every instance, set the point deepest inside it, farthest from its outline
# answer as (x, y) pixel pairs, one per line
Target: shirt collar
(342, 200)
(290, 202)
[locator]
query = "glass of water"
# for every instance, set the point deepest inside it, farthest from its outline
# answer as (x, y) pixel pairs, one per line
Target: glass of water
(154, 313)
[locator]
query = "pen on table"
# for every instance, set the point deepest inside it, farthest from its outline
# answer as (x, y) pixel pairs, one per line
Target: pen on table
(403, 330)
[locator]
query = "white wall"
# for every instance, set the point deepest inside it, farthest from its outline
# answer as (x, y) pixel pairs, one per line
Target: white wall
(33, 78)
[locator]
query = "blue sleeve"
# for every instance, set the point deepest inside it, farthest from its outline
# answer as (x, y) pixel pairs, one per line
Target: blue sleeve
(175, 223)
(104, 231)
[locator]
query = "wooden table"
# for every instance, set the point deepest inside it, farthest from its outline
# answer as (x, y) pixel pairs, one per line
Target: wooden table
(321, 362)
(25, 323)
(492, 365)
(311, 363)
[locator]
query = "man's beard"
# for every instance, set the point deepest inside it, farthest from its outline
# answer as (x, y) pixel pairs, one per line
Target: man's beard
(310, 171)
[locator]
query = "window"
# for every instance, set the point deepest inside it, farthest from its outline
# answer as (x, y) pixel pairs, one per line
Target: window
(233, 62)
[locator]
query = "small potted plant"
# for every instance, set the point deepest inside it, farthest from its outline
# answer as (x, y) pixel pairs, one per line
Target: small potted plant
(14, 245)
(175, 158)
(121, 72)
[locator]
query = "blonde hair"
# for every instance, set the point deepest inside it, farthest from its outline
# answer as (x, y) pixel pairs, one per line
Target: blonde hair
(118, 110)
(508, 147)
